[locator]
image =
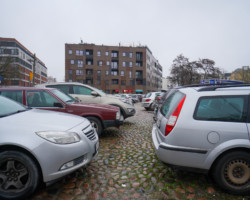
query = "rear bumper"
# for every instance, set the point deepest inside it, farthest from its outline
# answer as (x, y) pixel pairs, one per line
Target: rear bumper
(183, 157)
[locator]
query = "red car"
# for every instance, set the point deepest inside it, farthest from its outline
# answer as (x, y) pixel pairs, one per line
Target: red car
(100, 116)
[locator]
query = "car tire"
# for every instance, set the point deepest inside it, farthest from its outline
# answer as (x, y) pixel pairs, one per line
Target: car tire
(232, 172)
(96, 123)
(147, 108)
(19, 175)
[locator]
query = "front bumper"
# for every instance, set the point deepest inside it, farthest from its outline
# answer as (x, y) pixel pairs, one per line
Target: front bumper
(113, 123)
(129, 112)
(78, 154)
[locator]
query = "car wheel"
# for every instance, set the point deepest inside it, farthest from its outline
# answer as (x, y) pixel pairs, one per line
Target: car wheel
(19, 175)
(146, 108)
(232, 172)
(96, 124)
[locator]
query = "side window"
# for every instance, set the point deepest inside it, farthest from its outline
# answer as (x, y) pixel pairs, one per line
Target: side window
(221, 108)
(63, 88)
(81, 90)
(14, 95)
(40, 99)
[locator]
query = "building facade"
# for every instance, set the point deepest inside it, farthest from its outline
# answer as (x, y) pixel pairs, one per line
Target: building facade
(113, 69)
(29, 67)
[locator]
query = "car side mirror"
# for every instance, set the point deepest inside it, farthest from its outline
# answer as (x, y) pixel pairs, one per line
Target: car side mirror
(57, 104)
(94, 93)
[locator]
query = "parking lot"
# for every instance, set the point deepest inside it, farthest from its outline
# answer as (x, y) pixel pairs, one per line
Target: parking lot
(127, 168)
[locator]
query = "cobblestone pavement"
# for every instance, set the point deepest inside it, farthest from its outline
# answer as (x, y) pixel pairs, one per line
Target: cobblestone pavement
(127, 168)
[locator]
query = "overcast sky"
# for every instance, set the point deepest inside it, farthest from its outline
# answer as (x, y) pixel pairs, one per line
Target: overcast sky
(213, 29)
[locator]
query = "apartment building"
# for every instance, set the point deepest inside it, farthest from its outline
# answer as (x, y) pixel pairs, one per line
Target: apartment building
(28, 66)
(113, 69)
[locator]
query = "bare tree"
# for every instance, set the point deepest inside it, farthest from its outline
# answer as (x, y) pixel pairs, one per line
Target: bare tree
(8, 69)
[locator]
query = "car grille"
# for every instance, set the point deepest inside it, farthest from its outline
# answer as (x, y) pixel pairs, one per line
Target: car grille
(89, 133)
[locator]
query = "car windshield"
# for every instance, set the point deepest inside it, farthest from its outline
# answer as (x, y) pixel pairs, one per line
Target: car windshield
(64, 97)
(9, 107)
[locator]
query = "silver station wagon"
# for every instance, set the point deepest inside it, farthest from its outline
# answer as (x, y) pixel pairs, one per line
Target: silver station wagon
(207, 129)
(39, 145)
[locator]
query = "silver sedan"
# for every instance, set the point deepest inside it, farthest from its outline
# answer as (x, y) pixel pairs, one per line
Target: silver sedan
(40, 145)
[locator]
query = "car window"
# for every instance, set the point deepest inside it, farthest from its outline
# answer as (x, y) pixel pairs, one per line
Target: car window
(221, 108)
(170, 103)
(81, 90)
(40, 99)
(8, 107)
(64, 97)
(148, 95)
(63, 88)
(15, 95)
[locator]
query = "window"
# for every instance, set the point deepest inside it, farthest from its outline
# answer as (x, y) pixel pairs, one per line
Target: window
(124, 64)
(108, 63)
(77, 52)
(107, 82)
(122, 73)
(98, 72)
(80, 63)
(79, 72)
(114, 65)
(99, 63)
(114, 54)
(123, 54)
(40, 99)
(130, 64)
(98, 82)
(138, 56)
(107, 73)
(81, 90)
(131, 55)
(106, 53)
(1, 51)
(123, 82)
(15, 95)
(63, 88)
(130, 74)
(114, 73)
(115, 81)
(14, 52)
(132, 82)
(72, 62)
(70, 51)
(221, 108)
(98, 53)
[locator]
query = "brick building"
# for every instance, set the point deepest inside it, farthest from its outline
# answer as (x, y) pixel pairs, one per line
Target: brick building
(23, 60)
(113, 69)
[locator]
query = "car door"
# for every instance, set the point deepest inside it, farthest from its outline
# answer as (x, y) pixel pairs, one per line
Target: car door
(43, 100)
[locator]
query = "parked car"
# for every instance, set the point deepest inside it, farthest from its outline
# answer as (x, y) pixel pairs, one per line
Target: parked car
(148, 101)
(40, 145)
(134, 98)
(88, 94)
(207, 129)
(100, 116)
(158, 102)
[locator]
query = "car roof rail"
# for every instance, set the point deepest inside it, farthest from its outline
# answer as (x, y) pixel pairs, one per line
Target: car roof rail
(222, 85)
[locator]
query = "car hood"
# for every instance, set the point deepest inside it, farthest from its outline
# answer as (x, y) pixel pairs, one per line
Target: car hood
(97, 106)
(42, 120)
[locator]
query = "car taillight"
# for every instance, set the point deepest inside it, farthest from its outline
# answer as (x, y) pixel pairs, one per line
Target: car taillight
(173, 118)
(147, 100)
(158, 98)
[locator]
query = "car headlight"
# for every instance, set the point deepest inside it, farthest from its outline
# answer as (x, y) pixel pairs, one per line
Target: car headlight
(130, 109)
(118, 115)
(59, 137)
